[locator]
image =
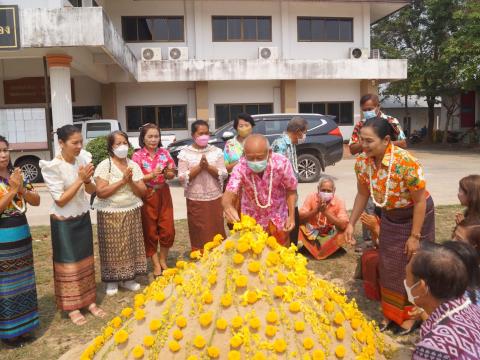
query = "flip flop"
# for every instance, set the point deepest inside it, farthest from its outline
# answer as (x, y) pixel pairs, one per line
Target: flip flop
(96, 311)
(77, 318)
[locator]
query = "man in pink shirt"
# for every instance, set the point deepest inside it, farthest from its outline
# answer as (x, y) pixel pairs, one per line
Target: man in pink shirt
(268, 186)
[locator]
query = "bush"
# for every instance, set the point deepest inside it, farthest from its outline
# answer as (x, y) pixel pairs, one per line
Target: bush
(98, 148)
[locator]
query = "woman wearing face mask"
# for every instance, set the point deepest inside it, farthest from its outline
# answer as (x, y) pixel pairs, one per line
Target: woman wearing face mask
(119, 191)
(201, 169)
(157, 211)
(233, 150)
(69, 180)
(394, 180)
(324, 219)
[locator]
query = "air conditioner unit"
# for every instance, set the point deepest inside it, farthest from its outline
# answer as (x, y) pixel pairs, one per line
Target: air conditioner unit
(359, 53)
(151, 54)
(268, 53)
(375, 54)
(178, 53)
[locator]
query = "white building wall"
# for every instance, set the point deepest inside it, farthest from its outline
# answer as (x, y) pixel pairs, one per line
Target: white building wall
(48, 4)
(88, 92)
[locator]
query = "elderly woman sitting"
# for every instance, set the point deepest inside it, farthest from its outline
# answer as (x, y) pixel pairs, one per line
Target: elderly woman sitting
(323, 218)
(436, 281)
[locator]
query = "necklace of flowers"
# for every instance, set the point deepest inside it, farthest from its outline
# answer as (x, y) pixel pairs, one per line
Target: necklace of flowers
(269, 200)
(387, 184)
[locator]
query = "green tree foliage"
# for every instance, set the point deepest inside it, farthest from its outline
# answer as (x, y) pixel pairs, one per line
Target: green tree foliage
(99, 150)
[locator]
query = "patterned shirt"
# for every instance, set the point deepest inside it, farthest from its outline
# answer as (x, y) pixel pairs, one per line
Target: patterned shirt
(406, 177)
(161, 159)
(284, 146)
(233, 151)
(283, 180)
(354, 139)
(11, 210)
(319, 221)
(450, 332)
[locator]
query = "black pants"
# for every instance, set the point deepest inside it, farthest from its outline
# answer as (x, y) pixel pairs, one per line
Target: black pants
(294, 232)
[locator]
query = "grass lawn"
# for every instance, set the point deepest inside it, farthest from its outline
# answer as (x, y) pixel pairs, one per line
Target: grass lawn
(57, 334)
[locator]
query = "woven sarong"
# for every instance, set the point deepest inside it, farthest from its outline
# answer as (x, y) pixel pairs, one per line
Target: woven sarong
(73, 263)
(120, 241)
(321, 246)
(205, 220)
(18, 295)
(395, 229)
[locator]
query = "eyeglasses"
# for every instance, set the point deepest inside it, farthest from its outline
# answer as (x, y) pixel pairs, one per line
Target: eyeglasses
(5, 151)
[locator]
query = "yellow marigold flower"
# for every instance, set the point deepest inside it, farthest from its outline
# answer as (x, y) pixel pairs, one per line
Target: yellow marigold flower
(259, 356)
(98, 341)
(299, 326)
(318, 294)
(254, 267)
(192, 357)
(221, 324)
(273, 258)
(294, 307)
(139, 300)
(272, 317)
(229, 244)
(355, 323)
(234, 355)
(340, 351)
(241, 281)
(236, 341)
(209, 246)
(329, 307)
(226, 300)
(174, 346)
(281, 278)
(301, 280)
(308, 343)
(213, 352)
(195, 255)
(212, 279)
(252, 297)
(340, 333)
(255, 323)
(207, 297)
(243, 247)
(237, 321)
(139, 314)
(178, 280)
(304, 357)
(127, 312)
(148, 340)
(177, 334)
(120, 337)
(199, 342)
(218, 238)
(116, 322)
(270, 330)
(181, 264)
(159, 296)
(205, 319)
(238, 258)
(318, 355)
(278, 291)
(138, 352)
(272, 242)
(339, 318)
(257, 247)
(169, 272)
(279, 345)
(181, 322)
(361, 336)
(155, 325)
(108, 332)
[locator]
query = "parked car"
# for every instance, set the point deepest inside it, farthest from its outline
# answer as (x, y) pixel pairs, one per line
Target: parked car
(323, 146)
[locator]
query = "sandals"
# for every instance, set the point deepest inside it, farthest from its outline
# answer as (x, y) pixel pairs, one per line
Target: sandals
(384, 326)
(77, 317)
(96, 311)
(412, 328)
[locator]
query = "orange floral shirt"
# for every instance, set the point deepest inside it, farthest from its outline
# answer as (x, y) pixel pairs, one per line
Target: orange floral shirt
(406, 177)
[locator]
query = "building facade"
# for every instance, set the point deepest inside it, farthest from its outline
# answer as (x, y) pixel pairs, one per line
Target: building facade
(171, 62)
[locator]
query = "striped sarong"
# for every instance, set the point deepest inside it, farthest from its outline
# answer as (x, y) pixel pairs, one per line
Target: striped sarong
(73, 262)
(395, 229)
(18, 294)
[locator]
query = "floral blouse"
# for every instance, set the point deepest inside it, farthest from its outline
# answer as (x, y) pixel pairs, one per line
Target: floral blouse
(233, 151)
(11, 210)
(284, 146)
(406, 177)
(161, 159)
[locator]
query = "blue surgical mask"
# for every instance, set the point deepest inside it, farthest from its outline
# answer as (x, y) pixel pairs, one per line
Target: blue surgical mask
(257, 166)
(369, 114)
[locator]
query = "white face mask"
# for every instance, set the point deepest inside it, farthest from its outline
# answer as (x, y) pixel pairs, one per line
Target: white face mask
(302, 139)
(410, 296)
(121, 151)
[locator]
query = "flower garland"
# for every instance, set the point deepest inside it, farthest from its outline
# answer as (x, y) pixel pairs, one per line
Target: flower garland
(387, 184)
(270, 185)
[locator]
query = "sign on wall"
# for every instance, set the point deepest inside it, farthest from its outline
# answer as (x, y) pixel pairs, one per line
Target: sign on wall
(9, 28)
(28, 90)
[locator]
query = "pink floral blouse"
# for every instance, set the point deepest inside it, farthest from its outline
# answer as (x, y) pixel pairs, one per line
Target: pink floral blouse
(161, 159)
(284, 180)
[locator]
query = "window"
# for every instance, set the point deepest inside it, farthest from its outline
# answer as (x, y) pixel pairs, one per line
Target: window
(165, 116)
(86, 112)
(153, 28)
(98, 129)
(324, 29)
(242, 28)
(343, 111)
(225, 113)
(76, 3)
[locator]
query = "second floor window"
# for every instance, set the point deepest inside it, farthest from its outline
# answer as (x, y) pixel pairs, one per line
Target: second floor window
(242, 28)
(153, 28)
(325, 29)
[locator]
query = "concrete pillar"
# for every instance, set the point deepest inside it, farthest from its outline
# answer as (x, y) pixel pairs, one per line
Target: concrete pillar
(109, 101)
(60, 92)
(201, 100)
(368, 87)
(288, 95)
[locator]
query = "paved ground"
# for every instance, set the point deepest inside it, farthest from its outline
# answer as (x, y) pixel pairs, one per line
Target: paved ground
(443, 170)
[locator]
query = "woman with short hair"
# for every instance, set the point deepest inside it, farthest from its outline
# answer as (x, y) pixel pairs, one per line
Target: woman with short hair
(233, 151)
(119, 191)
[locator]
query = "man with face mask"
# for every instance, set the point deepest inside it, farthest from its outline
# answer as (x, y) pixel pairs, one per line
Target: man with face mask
(324, 218)
(268, 189)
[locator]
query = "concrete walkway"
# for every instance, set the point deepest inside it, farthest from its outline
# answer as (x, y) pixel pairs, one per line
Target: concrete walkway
(443, 170)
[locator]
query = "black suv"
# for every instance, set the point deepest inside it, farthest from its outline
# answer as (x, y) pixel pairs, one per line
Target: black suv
(323, 146)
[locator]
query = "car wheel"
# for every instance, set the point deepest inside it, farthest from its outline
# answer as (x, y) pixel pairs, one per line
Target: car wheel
(31, 170)
(309, 168)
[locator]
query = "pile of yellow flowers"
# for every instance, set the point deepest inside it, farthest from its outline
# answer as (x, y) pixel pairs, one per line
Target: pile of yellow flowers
(245, 297)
